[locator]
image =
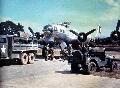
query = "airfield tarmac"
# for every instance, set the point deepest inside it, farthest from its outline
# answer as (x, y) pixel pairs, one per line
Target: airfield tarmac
(54, 74)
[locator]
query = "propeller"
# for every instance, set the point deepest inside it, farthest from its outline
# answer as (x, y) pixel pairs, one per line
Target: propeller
(74, 32)
(82, 37)
(30, 29)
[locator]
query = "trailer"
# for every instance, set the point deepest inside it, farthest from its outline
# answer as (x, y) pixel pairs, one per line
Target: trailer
(20, 48)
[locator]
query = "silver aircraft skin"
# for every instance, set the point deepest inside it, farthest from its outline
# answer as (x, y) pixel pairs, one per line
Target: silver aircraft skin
(57, 32)
(64, 33)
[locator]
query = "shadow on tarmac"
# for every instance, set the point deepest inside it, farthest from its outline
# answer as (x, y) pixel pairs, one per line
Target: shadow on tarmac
(69, 72)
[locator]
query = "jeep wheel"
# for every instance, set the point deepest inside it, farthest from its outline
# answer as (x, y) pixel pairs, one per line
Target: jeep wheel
(92, 67)
(85, 69)
(74, 68)
(113, 66)
(31, 58)
(24, 58)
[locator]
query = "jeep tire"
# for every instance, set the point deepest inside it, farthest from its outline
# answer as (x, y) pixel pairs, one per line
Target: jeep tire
(74, 67)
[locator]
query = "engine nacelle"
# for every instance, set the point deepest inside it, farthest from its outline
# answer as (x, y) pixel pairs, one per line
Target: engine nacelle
(115, 35)
(82, 37)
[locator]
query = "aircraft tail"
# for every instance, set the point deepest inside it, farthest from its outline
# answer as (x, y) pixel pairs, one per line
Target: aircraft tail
(98, 31)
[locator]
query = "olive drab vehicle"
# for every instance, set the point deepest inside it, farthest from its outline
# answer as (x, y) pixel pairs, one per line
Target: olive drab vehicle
(88, 58)
(20, 48)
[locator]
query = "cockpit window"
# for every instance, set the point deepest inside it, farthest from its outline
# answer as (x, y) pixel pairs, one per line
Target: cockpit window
(2, 40)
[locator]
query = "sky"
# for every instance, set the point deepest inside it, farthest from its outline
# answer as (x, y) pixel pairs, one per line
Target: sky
(84, 15)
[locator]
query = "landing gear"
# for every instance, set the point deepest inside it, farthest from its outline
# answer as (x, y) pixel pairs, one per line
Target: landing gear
(45, 53)
(48, 54)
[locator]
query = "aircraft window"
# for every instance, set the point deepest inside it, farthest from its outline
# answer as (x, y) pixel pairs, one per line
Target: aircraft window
(63, 31)
(55, 29)
(2, 40)
(60, 30)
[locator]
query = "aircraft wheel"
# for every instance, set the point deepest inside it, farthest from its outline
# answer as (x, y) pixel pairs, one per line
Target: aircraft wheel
(45, 53)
